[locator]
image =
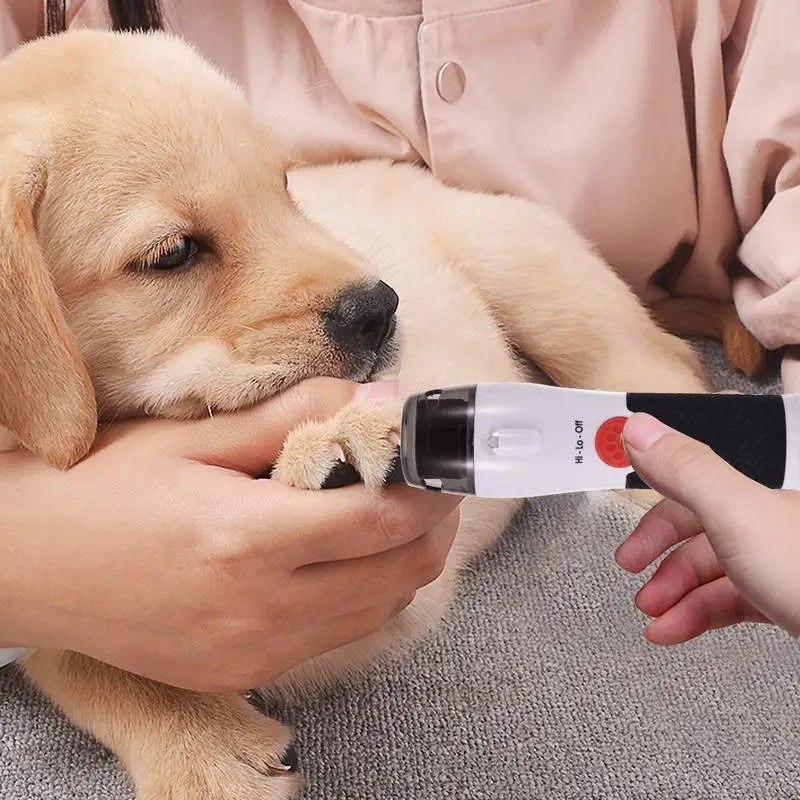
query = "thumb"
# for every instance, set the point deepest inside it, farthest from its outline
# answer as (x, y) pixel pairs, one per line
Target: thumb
(251, 440)
(691, 473)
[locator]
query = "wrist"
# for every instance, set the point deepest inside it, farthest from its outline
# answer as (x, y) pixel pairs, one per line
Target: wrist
(15, 628)
(19, 577)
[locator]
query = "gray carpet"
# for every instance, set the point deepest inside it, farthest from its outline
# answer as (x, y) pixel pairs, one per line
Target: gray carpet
(540, 686)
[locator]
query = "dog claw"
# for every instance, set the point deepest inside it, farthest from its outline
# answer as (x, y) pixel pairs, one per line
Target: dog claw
(256, 700)
(290, 761)
(287, 764)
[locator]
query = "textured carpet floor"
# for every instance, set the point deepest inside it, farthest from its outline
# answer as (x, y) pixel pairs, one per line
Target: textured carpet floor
(540, 686)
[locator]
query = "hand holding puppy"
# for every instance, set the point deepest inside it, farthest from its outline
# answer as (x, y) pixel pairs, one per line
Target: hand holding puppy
(739, 553)
(159, 554)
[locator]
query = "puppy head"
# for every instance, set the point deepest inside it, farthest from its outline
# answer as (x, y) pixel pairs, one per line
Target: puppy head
(151, 257)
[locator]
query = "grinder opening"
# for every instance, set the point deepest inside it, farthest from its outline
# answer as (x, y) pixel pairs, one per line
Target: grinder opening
(437, 440)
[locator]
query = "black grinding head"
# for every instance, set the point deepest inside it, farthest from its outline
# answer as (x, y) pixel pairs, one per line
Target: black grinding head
(436, 440)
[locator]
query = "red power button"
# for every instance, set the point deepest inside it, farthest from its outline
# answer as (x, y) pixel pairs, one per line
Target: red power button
(608, 442)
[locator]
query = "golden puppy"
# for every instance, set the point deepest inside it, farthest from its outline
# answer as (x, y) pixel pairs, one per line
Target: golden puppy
(158, 256)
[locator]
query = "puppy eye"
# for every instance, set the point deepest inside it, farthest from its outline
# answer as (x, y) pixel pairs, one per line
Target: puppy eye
(180, 253)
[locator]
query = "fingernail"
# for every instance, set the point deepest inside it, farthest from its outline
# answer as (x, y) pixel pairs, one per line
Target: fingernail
(642, 431)
(377, 391)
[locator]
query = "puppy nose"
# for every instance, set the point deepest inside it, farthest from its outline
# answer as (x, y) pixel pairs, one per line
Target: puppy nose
(362, 316)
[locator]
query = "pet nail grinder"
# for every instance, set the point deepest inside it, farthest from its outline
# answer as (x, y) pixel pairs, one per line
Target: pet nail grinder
(521, 440)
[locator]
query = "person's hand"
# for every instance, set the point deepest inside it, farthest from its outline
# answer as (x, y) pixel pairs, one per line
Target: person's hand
(739, 554)
(160, 554)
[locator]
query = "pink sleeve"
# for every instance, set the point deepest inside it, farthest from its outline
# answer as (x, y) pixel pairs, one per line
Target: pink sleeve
(761, 147)
(20, 21)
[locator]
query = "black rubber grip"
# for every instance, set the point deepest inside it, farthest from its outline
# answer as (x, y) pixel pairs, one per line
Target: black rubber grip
(747, 431)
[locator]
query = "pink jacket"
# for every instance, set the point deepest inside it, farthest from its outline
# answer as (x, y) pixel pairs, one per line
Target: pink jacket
(667, 131)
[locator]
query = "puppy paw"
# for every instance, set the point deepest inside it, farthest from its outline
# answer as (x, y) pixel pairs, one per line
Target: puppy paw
(364, 437)
(238, 754)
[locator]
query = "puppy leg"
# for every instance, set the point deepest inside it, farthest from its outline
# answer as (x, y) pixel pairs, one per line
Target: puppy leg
(561, 304)
(174, 744)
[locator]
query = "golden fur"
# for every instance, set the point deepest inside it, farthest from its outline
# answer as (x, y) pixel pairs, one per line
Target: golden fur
(112, 147)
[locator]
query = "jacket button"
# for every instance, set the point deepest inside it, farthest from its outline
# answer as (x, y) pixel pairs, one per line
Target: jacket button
(450, 82)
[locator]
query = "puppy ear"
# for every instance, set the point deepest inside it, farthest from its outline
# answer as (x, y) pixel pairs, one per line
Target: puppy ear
(46, 397)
